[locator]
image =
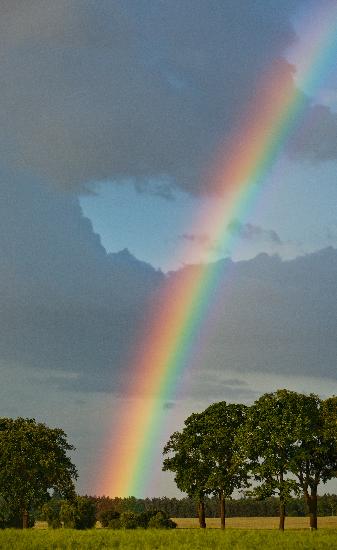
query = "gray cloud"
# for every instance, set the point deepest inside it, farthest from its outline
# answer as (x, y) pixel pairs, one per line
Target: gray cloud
(271, 316)
(213, 383)
(316, 138)
(252, 232)
(198, 238)
(73, 312)
(67, 306)
(143, 90)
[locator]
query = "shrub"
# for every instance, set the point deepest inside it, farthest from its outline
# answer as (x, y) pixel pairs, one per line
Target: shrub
(85, 515)
(144, 517)
(161, 521)
(128, 520)
(80, 514)
(106, 516)
(67, 514)
(13, 518)
(51, 513)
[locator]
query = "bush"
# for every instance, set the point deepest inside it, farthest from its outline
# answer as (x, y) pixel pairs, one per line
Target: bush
(51, 513)
(67, 514)
(85, 515)
(131, 520)
(80, 514)
(106, 516)
(13, 518)
(128, 520)
(161, 521)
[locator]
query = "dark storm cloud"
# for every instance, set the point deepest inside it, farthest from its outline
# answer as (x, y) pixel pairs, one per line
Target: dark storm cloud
(66, 305)
(73, 312)
(148, 89)
(274, 317)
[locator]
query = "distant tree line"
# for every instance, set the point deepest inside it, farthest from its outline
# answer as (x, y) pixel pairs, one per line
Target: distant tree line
(236, 507)
(284, 445)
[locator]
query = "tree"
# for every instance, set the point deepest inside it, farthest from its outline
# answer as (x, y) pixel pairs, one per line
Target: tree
(269, 440)
(205, 456)
(33, 460)
(189, 462)
(315, 460)
(219, 425)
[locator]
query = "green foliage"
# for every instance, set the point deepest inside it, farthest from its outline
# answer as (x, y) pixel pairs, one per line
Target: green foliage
(50, 512)
(106, 516)
(316, 458)
(268, 442)
(235, 507)
(203, 456)
(78, 514)
(12, 518)
(161, 521)
(191, 468)
(33, 460)
(286, 442)
(85, 515)
(128, 520)
(131, 520)
(219, 425)
(67, 514)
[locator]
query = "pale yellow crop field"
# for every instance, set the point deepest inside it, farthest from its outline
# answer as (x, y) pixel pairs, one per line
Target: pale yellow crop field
(327, 522)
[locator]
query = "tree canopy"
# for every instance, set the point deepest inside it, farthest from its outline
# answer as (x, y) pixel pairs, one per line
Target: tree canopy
(189, 462)
(204, 457)
(33, 461)
(285, 444)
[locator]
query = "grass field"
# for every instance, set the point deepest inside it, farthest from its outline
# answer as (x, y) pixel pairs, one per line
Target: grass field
(258, 523)
(242, 534)
(180, 539)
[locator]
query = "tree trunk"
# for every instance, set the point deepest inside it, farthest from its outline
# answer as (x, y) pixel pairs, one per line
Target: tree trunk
(282, 515)
(222, 510)
(201, 513)
(311, 500)
(24, 519)
(282, 504)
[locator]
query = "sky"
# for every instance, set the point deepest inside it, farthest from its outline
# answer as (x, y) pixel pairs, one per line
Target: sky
(113, 115)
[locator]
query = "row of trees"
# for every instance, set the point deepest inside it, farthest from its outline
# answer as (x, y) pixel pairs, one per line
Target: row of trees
(235, 507)
(285, 444)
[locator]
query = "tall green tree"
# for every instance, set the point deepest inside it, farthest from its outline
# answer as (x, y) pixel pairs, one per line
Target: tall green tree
(188, 461)
(219, 424)
(269, 441)
(315, 460)
(33, 461)
(204, 456)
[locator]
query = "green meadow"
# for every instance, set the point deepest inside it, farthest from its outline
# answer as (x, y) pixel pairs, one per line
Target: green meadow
(192, 539)
(233, 539)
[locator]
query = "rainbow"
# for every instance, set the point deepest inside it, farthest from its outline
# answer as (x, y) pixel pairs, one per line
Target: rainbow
(179, 310)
